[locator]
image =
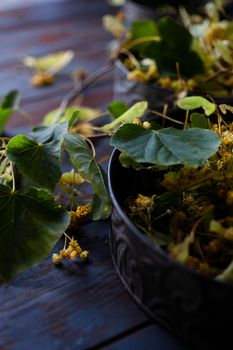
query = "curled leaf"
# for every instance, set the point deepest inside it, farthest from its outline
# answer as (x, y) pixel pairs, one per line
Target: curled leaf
(136, 111)
(113, 25)
(225, 108)
(52, 63)
(194, 102)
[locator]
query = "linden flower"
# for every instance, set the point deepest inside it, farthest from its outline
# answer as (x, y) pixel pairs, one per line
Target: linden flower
(165, 82)
(146, 125)
(56, 259)
(144, 202)
(72, 252)
(216, 32)
(229, 199)
(227, 137)
(42, 78)
(137, 121)
(83, 210)
(171, 181)
(137, 74)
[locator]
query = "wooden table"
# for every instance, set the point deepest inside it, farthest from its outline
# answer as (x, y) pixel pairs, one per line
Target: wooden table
(81, 306)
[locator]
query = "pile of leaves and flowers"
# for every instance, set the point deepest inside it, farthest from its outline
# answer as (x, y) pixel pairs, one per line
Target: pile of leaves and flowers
(50, 181)
(191, 56)
(41, 199)
(187, 207)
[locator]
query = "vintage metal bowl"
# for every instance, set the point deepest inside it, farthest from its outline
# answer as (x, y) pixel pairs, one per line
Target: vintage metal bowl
(192, 305)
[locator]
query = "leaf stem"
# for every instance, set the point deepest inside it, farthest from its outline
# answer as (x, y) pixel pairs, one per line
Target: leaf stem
(166, 117)
(13, 177)
(80, 88)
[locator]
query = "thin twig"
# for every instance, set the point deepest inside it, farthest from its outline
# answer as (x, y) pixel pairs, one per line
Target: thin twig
(79, 89)
(166, 117)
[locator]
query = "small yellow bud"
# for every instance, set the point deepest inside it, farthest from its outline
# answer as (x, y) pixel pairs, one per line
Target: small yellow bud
(56, 259)
(73, 255)
(64, 253)
(83, 210)
(137, 121)
(84, 255)
(144, 202)
(146, 125)
(165, 82)
(41, 79)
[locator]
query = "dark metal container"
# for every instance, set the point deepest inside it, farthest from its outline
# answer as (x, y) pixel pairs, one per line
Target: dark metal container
(131, 91)
(191, 305)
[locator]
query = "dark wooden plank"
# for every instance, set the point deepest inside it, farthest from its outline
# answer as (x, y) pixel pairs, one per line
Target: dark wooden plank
(149, 338)
(52, 37)
(89, 46)
(97, 96)
(55, 11)
(19, 79)
(73, 307)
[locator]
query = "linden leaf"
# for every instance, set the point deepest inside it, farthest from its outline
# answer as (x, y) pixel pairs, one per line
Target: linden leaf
(50, 63)
(84, 113)
(81, 156)
(193, 102)
(225, 108)
(136, 111)
(167, 146)
(39, 158)
(113, 25)
(117, 108)
(8, 105)
(198, 120)
(31, 224)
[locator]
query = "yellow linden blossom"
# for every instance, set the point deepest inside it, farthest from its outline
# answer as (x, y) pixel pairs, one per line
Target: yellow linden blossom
(142, 76)
(215, 32)
(229, 199)
(72, 252)
(56, 259)
(137, 74)
(165, 82)
(83, 210)
(42, 78)
(144, 202)
(84, 255)
(137, 121)
(146, 125)
(227, 137)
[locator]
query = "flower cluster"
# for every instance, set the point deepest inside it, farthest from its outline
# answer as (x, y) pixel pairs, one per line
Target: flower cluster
(81, 212)
(72, 252)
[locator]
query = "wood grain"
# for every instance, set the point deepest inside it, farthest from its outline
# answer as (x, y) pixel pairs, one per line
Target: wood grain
(77, 305)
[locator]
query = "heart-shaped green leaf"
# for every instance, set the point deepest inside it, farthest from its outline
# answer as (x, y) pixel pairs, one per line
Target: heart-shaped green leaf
(199, 120)
(167, 146)
(9, 104)
(31, 223)
(81, 156)
(142, 29)
(174, 48)
(39, 159)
